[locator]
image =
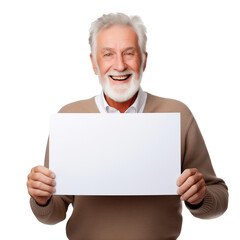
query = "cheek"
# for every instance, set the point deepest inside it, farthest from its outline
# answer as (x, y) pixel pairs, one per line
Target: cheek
(136, 68)
(104, 68)
(134, 64)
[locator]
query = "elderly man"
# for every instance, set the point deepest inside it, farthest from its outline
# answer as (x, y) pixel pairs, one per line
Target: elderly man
(118, 56)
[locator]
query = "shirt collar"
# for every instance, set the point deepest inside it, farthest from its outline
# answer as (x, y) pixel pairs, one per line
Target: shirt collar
(136, 107)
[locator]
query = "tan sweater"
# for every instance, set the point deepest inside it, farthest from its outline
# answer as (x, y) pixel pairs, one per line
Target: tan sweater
(138, 217)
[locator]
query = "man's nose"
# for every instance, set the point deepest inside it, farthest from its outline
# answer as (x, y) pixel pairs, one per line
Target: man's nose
(120, 64)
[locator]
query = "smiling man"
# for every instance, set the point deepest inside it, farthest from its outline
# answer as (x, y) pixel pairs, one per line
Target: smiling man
(119, 63)
(118, 56)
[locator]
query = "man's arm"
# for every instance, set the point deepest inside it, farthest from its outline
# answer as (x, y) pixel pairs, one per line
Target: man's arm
(54, 211)
(205, 195)
(47, 208)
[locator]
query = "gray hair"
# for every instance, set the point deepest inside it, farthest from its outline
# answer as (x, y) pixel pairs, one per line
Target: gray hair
(122, 19)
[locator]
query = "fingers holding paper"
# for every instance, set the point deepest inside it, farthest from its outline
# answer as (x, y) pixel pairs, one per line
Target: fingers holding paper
(41, 184)
(192, 186)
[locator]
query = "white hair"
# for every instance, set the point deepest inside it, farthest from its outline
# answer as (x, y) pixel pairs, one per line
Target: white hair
(108, 20)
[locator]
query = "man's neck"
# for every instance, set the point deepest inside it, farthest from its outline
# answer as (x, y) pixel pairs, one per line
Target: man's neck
(121, 106)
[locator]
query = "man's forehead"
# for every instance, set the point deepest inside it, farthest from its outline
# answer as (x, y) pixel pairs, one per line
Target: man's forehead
(117, 36)
(119, 31)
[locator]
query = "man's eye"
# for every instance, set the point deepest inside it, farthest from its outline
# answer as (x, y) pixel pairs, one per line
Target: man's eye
(129, 53)
(107, 54)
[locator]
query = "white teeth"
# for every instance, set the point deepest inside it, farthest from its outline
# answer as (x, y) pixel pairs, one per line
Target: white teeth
(120, 77)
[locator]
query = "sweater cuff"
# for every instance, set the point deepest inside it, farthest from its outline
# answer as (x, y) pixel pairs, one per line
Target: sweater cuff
(41, 210)
(191, 206)
(204, 209)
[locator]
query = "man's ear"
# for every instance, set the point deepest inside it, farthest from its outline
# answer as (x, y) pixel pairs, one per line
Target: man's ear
(93, 64)
(145, 61)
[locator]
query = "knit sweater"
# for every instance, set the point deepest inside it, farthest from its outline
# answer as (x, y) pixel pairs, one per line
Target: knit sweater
(138, 217)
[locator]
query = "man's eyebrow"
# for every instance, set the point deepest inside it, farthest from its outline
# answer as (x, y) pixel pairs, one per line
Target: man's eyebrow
(112, 49)
(129, 48)
(107, 49)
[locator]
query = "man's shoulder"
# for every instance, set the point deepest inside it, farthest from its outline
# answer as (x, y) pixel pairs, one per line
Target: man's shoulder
(161, 104)
(81, 106)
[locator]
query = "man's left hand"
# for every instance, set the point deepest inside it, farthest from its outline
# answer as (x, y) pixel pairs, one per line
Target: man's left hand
(192, 186)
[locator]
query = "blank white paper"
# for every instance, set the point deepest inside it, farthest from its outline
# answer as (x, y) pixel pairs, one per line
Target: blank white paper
(115, 154)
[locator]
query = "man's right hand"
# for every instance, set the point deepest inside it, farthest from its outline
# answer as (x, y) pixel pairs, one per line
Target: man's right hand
(41, 184)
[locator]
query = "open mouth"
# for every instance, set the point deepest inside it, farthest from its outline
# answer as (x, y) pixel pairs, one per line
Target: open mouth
(121, 78)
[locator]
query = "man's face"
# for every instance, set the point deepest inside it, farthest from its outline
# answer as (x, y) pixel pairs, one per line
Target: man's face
(119, 62)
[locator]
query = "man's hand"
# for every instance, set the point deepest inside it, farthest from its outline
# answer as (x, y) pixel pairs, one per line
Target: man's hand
(192, 186)
(41, 184)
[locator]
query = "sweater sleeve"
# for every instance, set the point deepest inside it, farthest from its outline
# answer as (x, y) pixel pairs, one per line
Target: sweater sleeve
(55, 210)
(196, 156)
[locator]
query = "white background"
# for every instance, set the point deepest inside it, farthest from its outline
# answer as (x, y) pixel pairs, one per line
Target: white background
(194, 56)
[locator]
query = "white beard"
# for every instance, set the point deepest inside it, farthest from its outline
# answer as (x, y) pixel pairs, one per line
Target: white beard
(120, 92)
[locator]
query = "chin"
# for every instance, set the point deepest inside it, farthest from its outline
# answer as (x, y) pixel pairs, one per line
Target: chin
(120, 96)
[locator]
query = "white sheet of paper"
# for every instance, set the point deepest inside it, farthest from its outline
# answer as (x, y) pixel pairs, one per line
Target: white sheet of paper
(115, 154)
